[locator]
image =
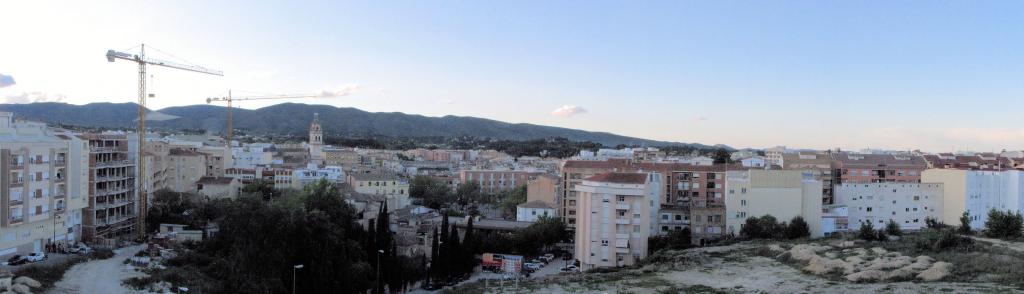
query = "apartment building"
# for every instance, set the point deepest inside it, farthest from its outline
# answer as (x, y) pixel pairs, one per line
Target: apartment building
(185, 167)
(311, 174)
(341, 157)
(977, 192)
(876, 168)
(821, 162)
(979, 161)
(783, 194)
(573, 173)
(619, 216)
(394, 188)
(908, 204)
(543, 188)
(41, 196)
(113, 192)
(496, 181)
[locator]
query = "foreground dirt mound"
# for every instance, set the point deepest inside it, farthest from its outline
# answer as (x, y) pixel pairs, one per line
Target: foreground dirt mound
(860, 264)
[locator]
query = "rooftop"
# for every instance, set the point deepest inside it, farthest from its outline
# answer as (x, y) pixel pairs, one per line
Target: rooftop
(619, 178)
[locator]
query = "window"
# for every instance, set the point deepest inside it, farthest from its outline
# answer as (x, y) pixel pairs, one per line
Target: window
(743, 202)
(743, 190)
(917, 198)
(604, 242)
(869, 208)
(731, 191)
(679, 217)
(622, 198)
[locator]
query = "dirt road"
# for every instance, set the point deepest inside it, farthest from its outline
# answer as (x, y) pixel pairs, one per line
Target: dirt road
(99, 276)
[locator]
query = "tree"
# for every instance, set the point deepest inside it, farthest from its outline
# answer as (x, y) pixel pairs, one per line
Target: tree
(893, 229)
(674, 240)
(1003, 224)
(965, 224)
(511, 200)
(867, 231)
(764, 227)
(435, 258)
(721, 156)
(933, 223)
(468, 192)
(263, 189)
(797, 228)
(433, 192)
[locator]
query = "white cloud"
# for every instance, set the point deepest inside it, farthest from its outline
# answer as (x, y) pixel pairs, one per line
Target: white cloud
(344, 90)
(6, 81)
(447, 101)
(33, 97)
(568, 111)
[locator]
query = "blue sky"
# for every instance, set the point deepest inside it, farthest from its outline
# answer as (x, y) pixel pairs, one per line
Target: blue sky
(931, 75)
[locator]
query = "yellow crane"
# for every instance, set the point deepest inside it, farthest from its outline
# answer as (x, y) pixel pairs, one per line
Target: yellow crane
(229, 99)
(143, 61)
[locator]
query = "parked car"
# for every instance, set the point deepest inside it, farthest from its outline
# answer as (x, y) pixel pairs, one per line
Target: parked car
(547, 257)
(533, 265)
(16, 260)
(80, 248)
(36, 257)
(570, 268)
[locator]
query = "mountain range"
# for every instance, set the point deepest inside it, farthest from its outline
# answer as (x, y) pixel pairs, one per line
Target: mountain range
(294, 119)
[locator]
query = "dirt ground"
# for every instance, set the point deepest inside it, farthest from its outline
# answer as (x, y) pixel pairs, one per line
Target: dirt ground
(728, 269)
(100, 276)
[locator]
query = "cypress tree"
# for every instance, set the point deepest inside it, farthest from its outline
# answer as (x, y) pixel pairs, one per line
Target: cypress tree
(457, 255)
(434, 259)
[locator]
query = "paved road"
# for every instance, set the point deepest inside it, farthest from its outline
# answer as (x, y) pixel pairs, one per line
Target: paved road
(99, 276)
(552, 268)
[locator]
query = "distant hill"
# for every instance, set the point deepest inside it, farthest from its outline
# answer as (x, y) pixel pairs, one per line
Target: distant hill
(294, 119)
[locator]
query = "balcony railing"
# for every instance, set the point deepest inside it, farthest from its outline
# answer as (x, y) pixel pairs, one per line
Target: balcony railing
(17, 183)
(17, 219)
(17, 165)
(110, 178)
(16, 201)
(60, 162)
(113, 163)
(102, 149)
(60, 195)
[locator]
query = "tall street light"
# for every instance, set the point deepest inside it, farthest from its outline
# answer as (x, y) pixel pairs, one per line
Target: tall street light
(294, 268)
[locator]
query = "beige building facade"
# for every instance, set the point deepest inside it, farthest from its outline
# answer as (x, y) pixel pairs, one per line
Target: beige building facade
(783, 194)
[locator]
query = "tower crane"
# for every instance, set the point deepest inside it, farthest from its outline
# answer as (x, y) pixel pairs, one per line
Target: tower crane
(229, 99)
(143, 61)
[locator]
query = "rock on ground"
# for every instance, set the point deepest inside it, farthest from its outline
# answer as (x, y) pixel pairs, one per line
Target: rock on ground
(938, 271)
(21, 289)
(27, 282)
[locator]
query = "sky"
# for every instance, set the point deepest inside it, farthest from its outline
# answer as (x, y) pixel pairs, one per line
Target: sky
(931, 75)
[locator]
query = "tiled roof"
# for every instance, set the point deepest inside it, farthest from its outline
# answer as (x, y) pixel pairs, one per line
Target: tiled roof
(619, 178)
(215, 180)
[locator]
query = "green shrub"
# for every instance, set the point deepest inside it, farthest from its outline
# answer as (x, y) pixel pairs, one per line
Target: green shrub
(764, 227)
(797, 228)
(933, 223)
(947, 239)
(1003, 224)
(867, 231)
(965, 223)
(101, 253)
(892, 228)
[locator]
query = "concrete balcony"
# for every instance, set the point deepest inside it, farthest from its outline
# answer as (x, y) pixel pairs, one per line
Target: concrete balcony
(105, 192)
(622, 221)
(114, 163)
(624, 206)
(17, 219)
(17, 201)
(622, 236)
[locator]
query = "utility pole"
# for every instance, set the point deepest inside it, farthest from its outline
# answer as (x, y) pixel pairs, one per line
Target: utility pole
(295, 268)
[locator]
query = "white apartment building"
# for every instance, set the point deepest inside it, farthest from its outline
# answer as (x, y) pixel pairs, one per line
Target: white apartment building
(977, 192)
(310, 174)
(783, 194)
(251, 156)
(41, 198)
(618, 213)
(908, 204)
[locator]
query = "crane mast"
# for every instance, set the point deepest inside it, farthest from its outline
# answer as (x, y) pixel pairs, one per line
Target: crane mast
(142, 60)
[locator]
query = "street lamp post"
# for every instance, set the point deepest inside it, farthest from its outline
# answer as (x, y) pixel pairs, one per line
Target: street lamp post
(54, 240)
(294, 268)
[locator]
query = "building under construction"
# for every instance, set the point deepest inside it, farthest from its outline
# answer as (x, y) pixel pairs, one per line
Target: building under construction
(112, 208)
